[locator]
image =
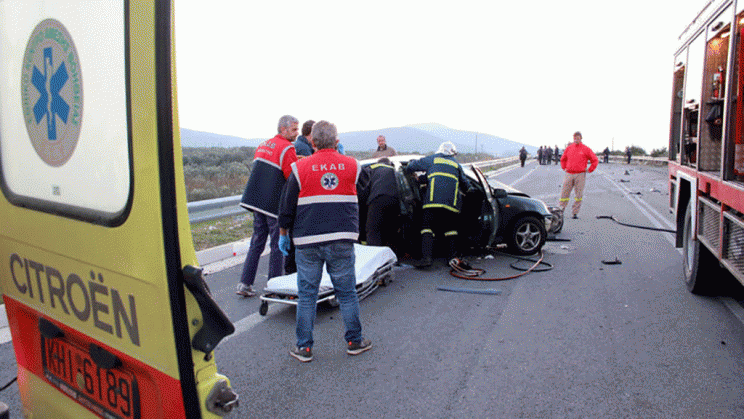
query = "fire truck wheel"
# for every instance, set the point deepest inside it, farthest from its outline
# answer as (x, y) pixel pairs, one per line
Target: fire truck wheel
(700, 266)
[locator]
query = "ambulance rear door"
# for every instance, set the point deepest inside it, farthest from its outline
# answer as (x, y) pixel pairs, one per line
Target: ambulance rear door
(109, 314)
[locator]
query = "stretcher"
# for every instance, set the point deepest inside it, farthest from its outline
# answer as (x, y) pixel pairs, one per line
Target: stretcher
(373, 267)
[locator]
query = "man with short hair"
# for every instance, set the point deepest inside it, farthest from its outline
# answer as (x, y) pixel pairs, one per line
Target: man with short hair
(271, 167)
(320, 205)
(383, 150)
(303, 148)
(574, 161)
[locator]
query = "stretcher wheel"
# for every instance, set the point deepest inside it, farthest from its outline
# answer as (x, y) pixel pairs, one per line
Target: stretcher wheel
(333, 302)
(264, 308)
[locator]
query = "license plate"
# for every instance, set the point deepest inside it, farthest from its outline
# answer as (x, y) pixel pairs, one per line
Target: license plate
(111, 393)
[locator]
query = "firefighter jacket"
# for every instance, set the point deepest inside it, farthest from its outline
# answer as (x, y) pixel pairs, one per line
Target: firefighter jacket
(271, 167)
(446, 180)
(375, 180)
(575, 158)
(320, 202)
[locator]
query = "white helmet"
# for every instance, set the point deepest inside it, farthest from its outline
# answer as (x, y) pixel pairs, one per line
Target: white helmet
(447, 148)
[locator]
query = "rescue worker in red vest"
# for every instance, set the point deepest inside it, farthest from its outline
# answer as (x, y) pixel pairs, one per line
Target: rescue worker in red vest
(271, 167)
(319, 204)
(442, 202)
(378, 191)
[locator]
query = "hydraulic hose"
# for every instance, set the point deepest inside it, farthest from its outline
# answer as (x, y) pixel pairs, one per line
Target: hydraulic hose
(612, 217)
(462, 270)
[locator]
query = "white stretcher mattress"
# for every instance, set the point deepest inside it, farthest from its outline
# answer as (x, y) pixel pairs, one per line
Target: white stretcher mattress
(368, 260)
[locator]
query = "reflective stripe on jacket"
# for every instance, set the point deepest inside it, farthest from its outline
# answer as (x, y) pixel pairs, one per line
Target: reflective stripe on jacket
(446, 179)
(271, 167)
(375, 180)
(326, 208)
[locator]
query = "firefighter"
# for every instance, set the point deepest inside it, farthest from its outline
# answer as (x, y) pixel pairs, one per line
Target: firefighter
(442, 202)
(377, 189)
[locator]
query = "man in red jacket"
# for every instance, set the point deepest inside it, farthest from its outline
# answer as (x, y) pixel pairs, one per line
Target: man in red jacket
(574, 161)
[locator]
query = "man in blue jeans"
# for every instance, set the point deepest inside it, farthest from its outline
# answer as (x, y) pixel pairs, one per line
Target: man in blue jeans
(319, 204)
(271, 167)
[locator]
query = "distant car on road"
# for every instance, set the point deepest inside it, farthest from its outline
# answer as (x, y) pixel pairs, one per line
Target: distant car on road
(492, 214)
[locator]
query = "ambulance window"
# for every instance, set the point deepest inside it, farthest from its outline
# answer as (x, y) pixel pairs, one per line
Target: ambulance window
(64, 132)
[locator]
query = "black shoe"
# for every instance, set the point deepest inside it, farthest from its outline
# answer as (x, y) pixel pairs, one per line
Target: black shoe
(575, 217)
(302, 354)
(354, 348)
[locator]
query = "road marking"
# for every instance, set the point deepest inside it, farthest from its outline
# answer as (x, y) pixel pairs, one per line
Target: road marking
(639, 203)
(523, 177)
(249, 322)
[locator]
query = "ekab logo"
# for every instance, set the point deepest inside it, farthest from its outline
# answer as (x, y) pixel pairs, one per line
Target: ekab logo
(52, 92)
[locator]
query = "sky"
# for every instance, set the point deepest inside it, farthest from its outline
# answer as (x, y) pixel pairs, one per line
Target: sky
(528, 71)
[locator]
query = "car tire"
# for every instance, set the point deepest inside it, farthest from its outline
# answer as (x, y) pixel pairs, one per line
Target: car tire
(527, 236)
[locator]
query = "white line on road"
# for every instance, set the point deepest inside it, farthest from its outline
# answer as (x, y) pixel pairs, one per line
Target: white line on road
(523, 177)
(645, 209)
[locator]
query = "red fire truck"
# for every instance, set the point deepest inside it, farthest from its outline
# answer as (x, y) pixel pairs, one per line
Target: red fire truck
(706, 146)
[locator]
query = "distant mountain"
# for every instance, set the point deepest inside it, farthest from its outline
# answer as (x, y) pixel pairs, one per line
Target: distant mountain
(420, 138)
(192, 138)
(467, 140)
(426, 138)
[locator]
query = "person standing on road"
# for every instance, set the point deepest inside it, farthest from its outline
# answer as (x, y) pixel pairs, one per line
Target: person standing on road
(442, 201)
(549, 154)
(320, 205)
(606, 153)
(557, 155)
(303, 148)
(383, 150)
(574, 161)
(540, 155)
(522, 155)
(271, 167)
(378, 191)
(628, 153)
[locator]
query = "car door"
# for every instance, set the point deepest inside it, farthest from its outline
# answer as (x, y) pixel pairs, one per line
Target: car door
(109, 314)
(488, 218)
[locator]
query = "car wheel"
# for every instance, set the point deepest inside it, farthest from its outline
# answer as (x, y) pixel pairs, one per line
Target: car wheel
(528, 236)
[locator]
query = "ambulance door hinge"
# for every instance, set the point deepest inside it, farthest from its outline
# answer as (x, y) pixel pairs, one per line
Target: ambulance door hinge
(215, 325)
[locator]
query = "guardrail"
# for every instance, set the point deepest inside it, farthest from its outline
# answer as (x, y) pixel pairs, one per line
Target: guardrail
(213, 209)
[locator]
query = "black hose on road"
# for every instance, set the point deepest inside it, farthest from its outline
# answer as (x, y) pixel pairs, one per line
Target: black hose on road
(612, 217)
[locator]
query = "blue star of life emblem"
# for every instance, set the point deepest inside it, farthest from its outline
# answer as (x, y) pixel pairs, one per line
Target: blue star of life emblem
(52, 92)
(329, 181)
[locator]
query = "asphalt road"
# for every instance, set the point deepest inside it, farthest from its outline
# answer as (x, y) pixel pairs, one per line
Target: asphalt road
(584, 339)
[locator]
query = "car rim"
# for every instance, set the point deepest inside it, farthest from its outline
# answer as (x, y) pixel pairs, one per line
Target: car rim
(528, 237)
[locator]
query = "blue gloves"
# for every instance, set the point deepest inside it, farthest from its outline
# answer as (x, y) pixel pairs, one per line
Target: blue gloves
(284, 244)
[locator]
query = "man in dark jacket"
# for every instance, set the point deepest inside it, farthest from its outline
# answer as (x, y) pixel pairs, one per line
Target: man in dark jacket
(271, 167)
(442, 202)
(320, 205)
(303, 148)
(378, 190)
(522, 155)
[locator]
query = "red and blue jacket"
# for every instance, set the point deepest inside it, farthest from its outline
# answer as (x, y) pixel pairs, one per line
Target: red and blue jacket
(319, 203)
(271, 168)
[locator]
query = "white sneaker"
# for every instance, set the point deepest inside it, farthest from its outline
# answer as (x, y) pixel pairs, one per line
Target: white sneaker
(245, 290)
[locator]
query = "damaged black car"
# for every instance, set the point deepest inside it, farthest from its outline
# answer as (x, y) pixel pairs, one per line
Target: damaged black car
(493, 215)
